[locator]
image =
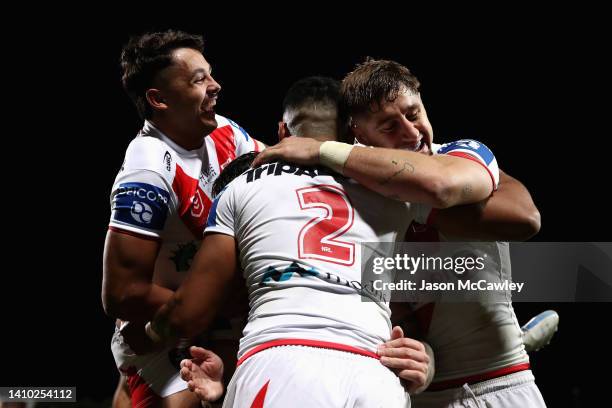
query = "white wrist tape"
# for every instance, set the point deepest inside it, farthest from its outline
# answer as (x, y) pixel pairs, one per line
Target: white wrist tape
(334, 155)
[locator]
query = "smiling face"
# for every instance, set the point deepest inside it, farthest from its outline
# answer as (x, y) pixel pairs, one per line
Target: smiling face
(398, 124)
(188, 92)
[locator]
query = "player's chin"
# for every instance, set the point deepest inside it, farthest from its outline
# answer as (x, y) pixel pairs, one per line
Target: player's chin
(209, 122)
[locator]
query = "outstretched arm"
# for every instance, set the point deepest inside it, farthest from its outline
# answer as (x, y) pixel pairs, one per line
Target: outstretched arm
(441, 180)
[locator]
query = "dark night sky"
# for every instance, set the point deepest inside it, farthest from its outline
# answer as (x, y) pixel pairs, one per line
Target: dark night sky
(528, 85)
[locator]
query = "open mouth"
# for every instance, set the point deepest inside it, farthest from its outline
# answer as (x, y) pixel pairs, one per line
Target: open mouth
(419, 147)
(209, 110)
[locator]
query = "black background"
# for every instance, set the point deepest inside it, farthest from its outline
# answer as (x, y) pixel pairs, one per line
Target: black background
(528, 83)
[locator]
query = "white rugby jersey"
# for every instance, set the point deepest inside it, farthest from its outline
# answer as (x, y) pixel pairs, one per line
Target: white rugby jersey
(298, 231)
(163, 192)
(469, 338)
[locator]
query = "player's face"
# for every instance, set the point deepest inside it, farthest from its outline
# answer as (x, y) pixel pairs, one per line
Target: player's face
(400, 124)
(189, 91)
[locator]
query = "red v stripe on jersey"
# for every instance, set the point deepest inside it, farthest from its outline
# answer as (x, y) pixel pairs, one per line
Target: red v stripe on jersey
(224, 145)
(195, 204)
(258, 402)
(184, 187)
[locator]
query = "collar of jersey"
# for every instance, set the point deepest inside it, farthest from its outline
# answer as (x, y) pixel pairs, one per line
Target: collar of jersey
(149, 129)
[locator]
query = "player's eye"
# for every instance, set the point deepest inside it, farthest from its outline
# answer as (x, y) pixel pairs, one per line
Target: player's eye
(412, 116)
(389, 127)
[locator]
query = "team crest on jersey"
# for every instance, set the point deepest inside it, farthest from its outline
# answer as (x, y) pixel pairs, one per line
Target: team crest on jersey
(197, 208)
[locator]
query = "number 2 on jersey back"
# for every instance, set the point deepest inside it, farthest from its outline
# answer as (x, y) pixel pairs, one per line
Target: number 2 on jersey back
(320, 237)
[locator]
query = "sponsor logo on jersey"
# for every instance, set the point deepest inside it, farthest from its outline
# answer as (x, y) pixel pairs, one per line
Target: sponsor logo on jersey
(141, 205)
(280, 168)
(208, 175)
(295, 270)
(141, 212)
(272, 274)
(168, 160)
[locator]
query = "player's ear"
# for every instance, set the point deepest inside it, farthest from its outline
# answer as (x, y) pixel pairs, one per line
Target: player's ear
(156, 99)
(356, 133)
(283, 131)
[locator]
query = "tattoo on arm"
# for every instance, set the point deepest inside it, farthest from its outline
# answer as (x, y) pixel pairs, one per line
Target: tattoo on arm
(405, 166)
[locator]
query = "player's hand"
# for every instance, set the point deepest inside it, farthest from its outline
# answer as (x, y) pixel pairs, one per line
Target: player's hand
(203, 374)
(135, 336)
(298, 150)
(409, 359)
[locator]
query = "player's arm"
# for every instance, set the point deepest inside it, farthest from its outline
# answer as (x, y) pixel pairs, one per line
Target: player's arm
(194, 305)
(127, 289)
(440, 181)
(508, 215)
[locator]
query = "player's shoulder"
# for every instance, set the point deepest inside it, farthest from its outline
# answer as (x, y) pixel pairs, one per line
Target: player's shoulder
(150, 153)
(227, 123)
(470, 147)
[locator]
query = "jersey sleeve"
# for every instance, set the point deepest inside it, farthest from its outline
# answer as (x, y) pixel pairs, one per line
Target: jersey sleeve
(222, 213)
(243, 141)
(476, 151)
(142, 198)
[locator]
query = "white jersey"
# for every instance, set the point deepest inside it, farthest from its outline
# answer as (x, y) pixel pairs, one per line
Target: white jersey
(470, 339)
(163, 192)
(299, 231)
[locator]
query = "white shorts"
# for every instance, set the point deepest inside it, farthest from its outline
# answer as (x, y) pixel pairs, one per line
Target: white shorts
(510, 391)
(157, 370)
(310, 377)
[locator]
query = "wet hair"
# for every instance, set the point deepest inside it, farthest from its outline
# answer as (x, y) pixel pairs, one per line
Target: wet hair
(234, 169)
(144, 56)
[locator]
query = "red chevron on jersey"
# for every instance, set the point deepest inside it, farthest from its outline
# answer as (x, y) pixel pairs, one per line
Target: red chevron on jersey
(195, 204)
(224, 145)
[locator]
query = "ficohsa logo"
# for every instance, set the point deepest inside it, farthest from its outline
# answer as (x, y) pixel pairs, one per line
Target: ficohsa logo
(141, 212)
(140, 191)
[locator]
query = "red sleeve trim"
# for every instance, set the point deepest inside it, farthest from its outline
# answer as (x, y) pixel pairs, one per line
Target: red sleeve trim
(474, 159)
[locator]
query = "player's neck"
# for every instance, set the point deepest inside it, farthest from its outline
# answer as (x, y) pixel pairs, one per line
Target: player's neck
(188, 140)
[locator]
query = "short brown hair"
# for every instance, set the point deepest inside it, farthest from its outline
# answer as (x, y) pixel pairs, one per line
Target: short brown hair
(373, 82)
